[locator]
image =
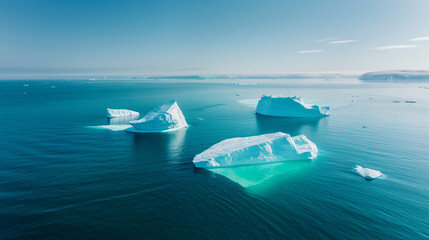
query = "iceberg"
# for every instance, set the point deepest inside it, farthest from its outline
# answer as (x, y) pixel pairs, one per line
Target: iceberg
(367, 173)
(122, 120)
(113, 113)
(167, 117)
(278, 106)
(267, 148)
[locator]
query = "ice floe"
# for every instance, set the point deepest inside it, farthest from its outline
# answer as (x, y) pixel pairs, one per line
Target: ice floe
(367, 172)
(113, 127)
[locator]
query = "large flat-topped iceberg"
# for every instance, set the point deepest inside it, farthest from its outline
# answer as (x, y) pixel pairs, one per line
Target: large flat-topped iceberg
(278, 106)
(367, 172)
(113, 113)
(396, 75)
(267, 148)
(167, 117)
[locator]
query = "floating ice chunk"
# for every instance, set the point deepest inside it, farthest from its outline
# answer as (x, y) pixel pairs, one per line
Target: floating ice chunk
(278, 106)
(113, 127)
(267, 148)
(367, 172)
(167, 117)
(112, 113)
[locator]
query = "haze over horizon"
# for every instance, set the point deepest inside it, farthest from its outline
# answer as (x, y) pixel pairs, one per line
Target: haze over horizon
(204, 37)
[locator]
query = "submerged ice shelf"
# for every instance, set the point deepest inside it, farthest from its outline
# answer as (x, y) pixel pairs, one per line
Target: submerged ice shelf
(267, 148)
(278, 106)
(112, 127)
(261, 174)
(113, 113)
(167, 117)
(367, 172)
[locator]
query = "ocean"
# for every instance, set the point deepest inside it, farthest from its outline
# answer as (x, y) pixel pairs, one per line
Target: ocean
(62, 176)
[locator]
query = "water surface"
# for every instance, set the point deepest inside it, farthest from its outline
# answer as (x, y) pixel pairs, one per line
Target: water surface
(60, 179)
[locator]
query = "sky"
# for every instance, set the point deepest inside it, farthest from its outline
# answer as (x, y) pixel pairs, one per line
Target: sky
(212, 37)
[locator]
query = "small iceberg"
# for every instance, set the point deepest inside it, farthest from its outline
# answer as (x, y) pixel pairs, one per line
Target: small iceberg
(367, 173)
(262, 149)
(122, 120)
(113, 113)
(278, 106)
(167, 117)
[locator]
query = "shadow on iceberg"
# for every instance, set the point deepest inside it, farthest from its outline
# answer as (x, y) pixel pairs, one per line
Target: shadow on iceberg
(290, 125)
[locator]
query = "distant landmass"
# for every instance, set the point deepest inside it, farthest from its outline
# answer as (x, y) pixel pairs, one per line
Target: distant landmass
(396, 75)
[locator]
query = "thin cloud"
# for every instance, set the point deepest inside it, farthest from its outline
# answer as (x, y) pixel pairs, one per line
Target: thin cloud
(342, 41)
(325, 40)
(310, 51)
(419, 39)
(395, 47)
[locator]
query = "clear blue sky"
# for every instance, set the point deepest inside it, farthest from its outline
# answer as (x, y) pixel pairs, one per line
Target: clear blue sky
(212, 37)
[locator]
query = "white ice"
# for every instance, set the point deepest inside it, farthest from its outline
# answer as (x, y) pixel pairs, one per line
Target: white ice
(113, 113)
(267, 148)
(367, 172)
(167, 117)
(278, 106)
(113, 127)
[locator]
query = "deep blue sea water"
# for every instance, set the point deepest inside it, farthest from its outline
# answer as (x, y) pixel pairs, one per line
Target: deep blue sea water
(60, 178)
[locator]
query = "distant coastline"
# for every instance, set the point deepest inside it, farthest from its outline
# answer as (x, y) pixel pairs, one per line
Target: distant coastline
(396, 75)
(385, 76)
